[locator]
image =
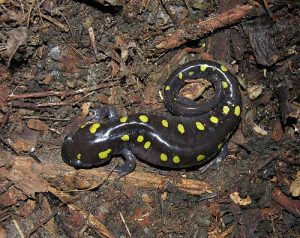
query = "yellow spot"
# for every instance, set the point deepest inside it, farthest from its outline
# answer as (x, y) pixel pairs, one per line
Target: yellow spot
(147, 145)
(165, 123)
(191, 73)
(104, 154)
(226, 110)
(180, 128)
(200, 157)
(123, 119)
(200, 126)
(83, 126)
(176, 159)
(143, 118)
(94, 127)
(228, 135)
(224, 84)
(140, 139)
(203, 67)
(220, 146)
(224, 69)
(78, 156)
(180, 75)
(163, 157)
(214, 119)
(125, 138)
(167, 88)
(237, 111)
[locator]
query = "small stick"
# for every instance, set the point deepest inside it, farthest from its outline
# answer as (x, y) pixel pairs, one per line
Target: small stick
(18, 228)
(127, 229)
(58, 93)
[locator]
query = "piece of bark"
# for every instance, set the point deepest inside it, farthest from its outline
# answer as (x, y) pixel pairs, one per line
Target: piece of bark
(55, 173)
(259, 33)
(220, 42)
(196, 29)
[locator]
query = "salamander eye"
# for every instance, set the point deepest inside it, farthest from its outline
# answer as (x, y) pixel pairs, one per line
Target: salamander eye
(68, 139)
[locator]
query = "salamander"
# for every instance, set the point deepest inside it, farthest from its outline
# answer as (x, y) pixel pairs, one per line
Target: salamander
(193, 134)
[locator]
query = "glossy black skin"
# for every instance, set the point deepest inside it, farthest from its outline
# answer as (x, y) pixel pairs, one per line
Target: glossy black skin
(163, 140)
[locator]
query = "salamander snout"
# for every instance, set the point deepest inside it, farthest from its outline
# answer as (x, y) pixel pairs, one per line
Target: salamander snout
(72, 153)
(66, 150)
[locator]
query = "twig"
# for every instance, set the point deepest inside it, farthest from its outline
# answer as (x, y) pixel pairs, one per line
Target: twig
(18, 228)
(58, 93)
(46, 118)
(198, 29)
(123, 220)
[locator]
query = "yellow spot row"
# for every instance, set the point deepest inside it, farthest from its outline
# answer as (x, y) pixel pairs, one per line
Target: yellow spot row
(176, 159)
(164, 158)
(139, 139)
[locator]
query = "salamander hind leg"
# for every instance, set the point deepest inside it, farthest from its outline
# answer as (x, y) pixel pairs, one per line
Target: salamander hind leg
(219, 158)
(129, 163)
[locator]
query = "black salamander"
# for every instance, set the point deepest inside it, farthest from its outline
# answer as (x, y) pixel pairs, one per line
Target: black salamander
(195, 133)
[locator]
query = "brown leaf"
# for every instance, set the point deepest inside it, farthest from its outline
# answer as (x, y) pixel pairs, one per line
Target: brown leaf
(25, 180)
(11, 196)
(16, 38)
(37, 125)
(4, 92)
(26, 209)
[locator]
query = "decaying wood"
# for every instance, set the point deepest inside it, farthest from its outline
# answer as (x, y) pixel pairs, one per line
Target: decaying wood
(195, 30)
(48, 171)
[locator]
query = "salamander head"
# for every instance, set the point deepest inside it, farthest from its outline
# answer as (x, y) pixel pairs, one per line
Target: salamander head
(85, 149)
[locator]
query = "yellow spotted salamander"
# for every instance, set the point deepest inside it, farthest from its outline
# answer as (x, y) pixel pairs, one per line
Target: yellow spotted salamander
(195, 133)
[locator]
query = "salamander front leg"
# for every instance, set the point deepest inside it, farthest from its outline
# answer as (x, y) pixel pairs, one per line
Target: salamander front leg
(99, 114)
(129, 163)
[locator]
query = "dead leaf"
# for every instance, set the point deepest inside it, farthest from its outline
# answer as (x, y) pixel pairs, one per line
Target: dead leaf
(259, 130)
(16, 38)
(26, 180)
(295, 186)
(26, 209)
(235, 197)
(26, 142)
(255, 91)
(277, 131)
(37, 125)
(11, 196)
(85, 109)
(194, 89)
(69, 60)
(4, 92)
